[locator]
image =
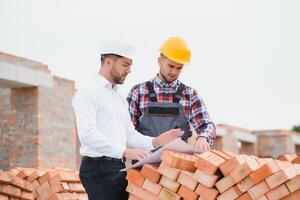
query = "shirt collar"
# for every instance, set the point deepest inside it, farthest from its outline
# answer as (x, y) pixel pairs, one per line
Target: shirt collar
(163, 84)
(103, 82)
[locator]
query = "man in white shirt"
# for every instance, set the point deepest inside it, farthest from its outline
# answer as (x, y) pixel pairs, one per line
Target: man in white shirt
(105, 130)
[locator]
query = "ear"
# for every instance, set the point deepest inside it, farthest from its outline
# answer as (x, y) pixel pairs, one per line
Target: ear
(108, 61)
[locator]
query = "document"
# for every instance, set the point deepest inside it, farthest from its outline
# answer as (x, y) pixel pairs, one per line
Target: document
(176, 145)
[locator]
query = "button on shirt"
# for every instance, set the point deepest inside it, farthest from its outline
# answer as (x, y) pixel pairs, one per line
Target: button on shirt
(103, 123)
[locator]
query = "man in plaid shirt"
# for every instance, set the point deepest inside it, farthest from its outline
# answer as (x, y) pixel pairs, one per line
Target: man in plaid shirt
(164, 103)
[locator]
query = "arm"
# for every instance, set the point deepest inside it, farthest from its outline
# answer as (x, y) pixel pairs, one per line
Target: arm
(133, 105)
(201, 121)
(85, 107)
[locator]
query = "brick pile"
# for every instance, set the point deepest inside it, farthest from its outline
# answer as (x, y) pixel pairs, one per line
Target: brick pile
(216, 175)
(41, 184)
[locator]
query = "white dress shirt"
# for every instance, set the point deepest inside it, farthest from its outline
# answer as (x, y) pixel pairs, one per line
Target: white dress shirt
(103, 122)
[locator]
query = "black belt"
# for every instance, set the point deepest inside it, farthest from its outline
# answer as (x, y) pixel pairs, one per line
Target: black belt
(104, 158)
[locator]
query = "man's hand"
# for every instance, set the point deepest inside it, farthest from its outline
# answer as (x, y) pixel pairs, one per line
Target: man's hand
(201, 144)
(135, 154)
(167, 137)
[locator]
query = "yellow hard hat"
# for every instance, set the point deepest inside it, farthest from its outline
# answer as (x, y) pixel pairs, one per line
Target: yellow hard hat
(176, 49)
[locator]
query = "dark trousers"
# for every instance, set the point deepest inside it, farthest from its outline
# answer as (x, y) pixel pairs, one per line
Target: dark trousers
(102, 179)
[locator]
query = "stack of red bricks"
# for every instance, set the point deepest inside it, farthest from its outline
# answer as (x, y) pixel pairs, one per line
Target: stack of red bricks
(41, 184)
(216, 175)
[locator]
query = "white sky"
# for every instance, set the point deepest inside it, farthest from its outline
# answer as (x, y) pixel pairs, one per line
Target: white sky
(245, 54)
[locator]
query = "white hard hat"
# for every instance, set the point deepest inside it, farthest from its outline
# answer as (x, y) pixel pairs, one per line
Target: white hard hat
(119, 48)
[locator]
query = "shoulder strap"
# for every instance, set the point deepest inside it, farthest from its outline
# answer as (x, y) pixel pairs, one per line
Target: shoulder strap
(178, 93)
(152, 94)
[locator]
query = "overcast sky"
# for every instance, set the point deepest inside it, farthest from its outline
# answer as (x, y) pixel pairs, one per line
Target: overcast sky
(245, 54)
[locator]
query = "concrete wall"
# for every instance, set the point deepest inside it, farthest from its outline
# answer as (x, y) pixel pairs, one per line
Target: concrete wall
(37, 124)
(5, 120)
(272, 143)
(235, 139)
(57, 135)
(265, 143)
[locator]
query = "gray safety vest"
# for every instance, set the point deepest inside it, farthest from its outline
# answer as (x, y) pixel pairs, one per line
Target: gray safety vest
(163, 116)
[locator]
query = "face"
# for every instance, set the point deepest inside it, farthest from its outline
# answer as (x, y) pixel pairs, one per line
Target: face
(120, 68)
(169, 71)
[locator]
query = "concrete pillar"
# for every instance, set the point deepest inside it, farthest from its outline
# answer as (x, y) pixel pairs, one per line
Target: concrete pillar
(274, 143)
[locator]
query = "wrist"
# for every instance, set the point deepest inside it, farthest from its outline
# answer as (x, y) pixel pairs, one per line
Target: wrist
(155, 143)
(200, 136)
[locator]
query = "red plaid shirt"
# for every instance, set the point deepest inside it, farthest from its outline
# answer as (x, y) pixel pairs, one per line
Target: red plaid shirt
(194, 107)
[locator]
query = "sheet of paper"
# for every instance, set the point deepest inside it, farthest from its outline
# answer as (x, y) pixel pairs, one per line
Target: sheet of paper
(177, 145)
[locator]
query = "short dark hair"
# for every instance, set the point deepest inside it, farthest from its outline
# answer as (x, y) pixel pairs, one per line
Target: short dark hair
(162, 55)
(109, 55)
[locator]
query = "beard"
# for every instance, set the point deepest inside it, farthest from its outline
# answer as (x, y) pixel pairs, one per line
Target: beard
(167, 79)
(117, 78)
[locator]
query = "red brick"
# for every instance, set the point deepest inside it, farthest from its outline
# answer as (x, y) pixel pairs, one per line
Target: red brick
(205, 178)
(245, 184)
(10, 190)
(244, 170)
(206, 193)
(170, 159)
(186, 193)
(278, 192)
(152, 187)
(296, 160)
(170, 172)
(139, 192)
(208, 162)
(23, 184)
(21, 175)
(262, 173)
(150, 171)
(43, 188)
(5, 178)
(225, 183)
(287, 157)
(14, 171)
(70, 177)
(228, 166)
(46, 177)
(293, 184)
(283, 164)
(273, 164)
(35, 175)
(74, 187)
(261, 161)
(231, 193)
(170, 184)
(27, 195)
(186, 178)
(245, 196)
(63, 196)
(258, 190)
(65, 186)
(168, 195)
(187, 162)
(229, 153)
(179, 160)
(134, 176)
(56, 188)
(263, 197)
(281, 176)
(3, 196)
(35, 184)
(221, 154)
(293, 196)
